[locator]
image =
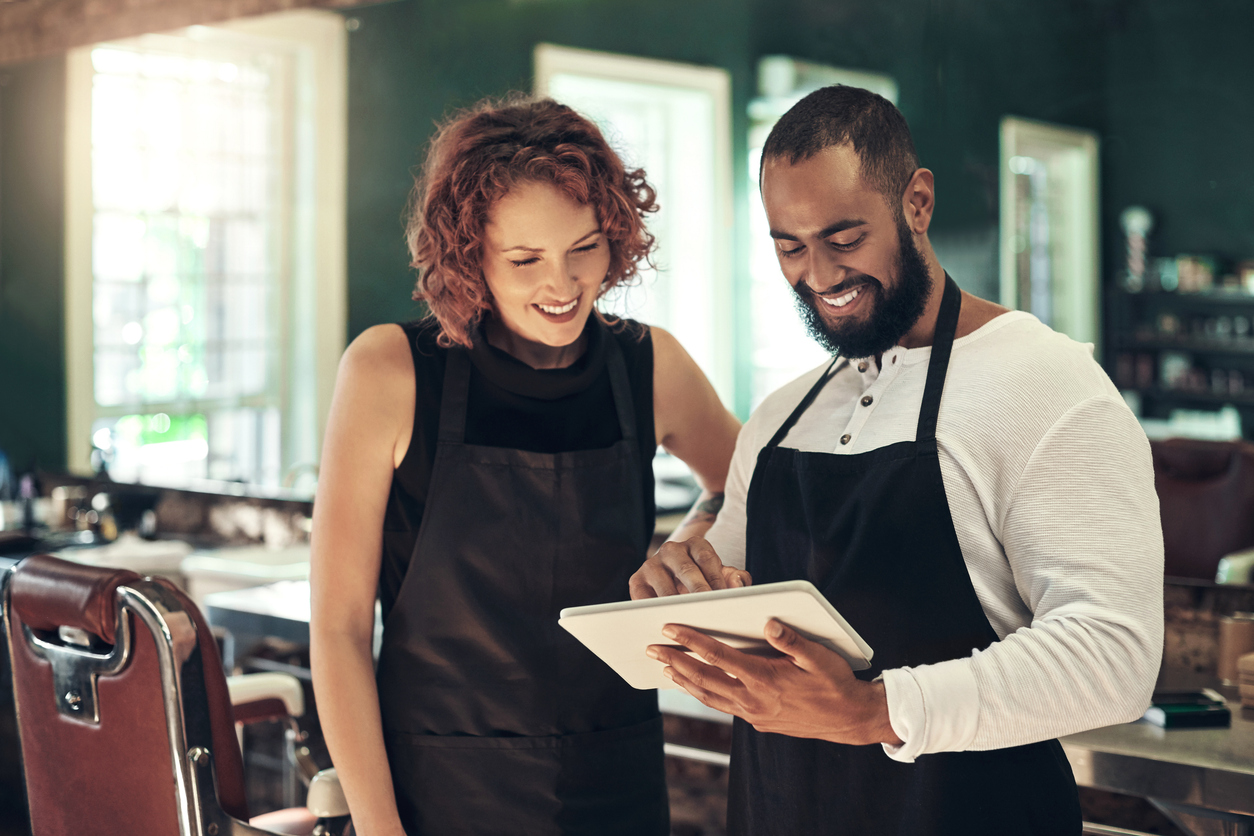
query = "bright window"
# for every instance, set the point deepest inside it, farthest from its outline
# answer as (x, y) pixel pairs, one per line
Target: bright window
(1049, 226)
(781, 349)
(197, 243)
(672, 120)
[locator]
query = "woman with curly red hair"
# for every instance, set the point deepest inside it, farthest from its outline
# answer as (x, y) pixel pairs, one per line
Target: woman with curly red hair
(488, 466)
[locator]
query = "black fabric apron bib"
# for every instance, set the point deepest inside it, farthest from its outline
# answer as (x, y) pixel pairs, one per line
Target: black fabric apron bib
(873, 532)
(496, 720)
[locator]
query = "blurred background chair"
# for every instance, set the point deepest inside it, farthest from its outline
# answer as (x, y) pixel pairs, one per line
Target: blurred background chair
(125, 714)
(1206, 497)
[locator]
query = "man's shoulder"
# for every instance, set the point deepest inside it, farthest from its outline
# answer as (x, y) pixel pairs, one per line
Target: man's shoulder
(1016, 377)
(1016, 353)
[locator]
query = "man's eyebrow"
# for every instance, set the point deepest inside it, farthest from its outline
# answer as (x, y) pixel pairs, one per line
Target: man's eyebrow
(839, 226)
(596, 231)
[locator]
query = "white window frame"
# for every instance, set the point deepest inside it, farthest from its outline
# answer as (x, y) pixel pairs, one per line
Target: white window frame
(716, 306)
(319, 40)
(1071, 155)
(782, 82)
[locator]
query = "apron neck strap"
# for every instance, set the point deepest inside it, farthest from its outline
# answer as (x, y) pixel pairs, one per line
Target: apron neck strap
(620, 386)
(455, 396)
(942, 343)
(456, 393)
(805, 403)
(938, 364)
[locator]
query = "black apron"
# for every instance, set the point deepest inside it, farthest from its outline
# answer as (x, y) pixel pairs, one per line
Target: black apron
(496, 720)
(873, 532)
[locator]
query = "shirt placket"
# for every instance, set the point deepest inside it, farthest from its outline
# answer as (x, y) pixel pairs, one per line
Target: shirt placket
(874, 382)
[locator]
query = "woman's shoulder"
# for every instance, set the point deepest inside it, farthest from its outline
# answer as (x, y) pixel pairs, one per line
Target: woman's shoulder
(383, 353)
(379, 354)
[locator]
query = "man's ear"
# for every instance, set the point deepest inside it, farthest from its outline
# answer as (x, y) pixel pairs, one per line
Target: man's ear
(918, 201)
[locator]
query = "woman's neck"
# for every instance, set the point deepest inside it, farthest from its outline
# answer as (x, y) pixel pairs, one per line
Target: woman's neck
(534, 354)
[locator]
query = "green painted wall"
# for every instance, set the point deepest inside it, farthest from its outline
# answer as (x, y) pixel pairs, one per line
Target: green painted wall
(1167, 83)
(961, 65)
(32, 299)
(1180, 126)
(410, 62)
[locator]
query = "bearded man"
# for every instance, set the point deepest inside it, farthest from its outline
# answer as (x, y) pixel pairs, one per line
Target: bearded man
(966, 487)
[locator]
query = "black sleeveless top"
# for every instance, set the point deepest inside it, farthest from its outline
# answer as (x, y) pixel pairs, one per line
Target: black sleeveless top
(513, 405)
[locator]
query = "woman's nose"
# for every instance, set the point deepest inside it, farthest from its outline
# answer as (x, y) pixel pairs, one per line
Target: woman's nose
(564, 277)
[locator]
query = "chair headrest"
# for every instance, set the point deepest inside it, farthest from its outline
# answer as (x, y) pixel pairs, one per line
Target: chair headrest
(1192, 460)
(47, 593)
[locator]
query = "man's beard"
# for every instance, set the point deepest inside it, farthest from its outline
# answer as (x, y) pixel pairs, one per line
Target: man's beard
(895, 313)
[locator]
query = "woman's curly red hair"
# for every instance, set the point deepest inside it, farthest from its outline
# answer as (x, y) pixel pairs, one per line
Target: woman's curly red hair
(475, 158)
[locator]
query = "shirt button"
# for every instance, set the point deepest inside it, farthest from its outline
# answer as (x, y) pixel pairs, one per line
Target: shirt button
(868, 400)
(862, 367)
(844, 439)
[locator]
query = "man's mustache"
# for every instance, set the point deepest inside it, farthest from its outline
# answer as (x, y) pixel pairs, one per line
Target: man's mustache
(808, 293)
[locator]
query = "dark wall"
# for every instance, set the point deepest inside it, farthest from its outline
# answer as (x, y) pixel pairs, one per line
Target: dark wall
(1167, 84)
(960, 66)
(410, 62)
(1180, 125)
(32, 297)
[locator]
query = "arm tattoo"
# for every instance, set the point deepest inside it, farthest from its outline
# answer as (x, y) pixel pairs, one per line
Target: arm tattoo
(705, 510)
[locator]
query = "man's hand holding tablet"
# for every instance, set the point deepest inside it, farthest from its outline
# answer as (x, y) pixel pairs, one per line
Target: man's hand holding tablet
(810, 691)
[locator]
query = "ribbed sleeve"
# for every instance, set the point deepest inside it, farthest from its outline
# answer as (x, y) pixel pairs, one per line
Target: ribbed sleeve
(1051, 488)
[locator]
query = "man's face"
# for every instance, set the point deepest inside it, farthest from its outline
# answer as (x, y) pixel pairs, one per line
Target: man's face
(861, 282)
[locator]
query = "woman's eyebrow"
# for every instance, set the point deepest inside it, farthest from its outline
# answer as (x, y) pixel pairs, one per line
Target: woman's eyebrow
(596, 231)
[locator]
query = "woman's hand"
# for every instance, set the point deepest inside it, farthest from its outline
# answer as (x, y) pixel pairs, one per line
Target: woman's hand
(678, 568)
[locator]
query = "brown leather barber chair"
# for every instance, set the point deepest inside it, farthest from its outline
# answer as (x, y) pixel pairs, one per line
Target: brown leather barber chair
(124, 716)
(1206, 498)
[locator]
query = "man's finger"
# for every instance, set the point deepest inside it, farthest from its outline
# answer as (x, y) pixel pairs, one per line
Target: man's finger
(708, 560)
(714, 652)
(685, 570)
(639, 588)
(660, 578)
(652, 580)
(736, 578)
(714, 700)
(805, 654)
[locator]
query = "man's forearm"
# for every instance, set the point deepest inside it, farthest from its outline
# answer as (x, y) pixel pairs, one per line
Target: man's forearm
(699, 519)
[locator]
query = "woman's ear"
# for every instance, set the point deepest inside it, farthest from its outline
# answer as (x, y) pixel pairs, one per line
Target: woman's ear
(918, 201)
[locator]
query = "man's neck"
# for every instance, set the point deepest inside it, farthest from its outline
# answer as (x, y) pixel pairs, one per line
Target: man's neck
(924, 331)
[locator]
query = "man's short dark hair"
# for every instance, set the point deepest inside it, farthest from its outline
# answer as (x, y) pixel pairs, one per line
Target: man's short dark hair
(838, 115)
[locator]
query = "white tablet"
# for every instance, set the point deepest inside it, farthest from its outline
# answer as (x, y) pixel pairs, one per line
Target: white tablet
(620, 632)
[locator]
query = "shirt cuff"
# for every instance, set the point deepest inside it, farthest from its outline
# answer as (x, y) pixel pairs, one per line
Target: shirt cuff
(932, 708)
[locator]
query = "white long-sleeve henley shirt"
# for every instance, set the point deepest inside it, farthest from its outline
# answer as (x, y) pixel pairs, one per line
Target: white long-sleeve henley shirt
(1051, 488)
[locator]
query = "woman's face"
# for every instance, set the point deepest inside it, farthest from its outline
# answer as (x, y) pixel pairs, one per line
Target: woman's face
(544, 258)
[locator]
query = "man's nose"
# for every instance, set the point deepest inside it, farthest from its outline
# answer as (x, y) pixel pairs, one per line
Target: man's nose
(824, 270)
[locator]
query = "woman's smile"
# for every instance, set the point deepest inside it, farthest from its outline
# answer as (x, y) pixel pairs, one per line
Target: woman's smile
(559, 312)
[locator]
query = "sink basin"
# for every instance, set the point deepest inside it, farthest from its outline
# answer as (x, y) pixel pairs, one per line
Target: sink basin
(218, 570)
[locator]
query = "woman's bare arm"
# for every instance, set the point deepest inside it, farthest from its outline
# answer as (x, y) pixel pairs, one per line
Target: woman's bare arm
(693, 425)
(367, 434)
